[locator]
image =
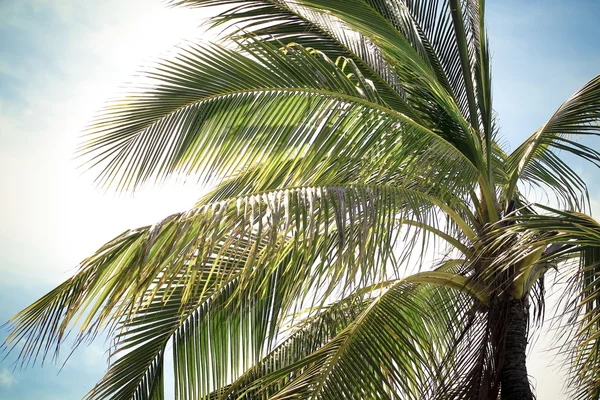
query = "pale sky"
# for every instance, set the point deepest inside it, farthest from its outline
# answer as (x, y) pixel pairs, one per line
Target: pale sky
(61, 60)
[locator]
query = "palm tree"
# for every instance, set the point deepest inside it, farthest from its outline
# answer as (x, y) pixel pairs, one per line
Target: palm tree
(345, 140)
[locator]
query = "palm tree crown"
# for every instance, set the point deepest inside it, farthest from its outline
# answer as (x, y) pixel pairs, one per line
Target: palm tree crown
(343, 139)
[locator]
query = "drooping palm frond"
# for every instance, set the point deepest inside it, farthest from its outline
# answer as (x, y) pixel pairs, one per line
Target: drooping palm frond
(276, 248)
(286, 22)
(226, 334)
(400, 358)
(536, 160)
(311, 333)
(389, 29)
(570, 243)
(249, 112)
(579, 326)
(427, 26)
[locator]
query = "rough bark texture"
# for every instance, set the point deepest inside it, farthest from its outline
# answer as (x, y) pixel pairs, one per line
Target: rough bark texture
(514, 382)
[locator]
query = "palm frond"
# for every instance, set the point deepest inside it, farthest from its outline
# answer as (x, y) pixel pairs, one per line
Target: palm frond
(287, 22)
(308, 335)
(450, 37)
(401, 358)
(569, 242)
(191, 122)
(335, 234)
(536, 161)
(211, 342)
(426, 92)
(584, 351)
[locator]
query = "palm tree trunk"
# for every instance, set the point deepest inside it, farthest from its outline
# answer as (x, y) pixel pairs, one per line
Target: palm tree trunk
(514, 382)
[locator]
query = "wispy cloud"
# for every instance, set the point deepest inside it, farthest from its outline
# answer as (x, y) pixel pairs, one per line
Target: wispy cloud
(7, 379)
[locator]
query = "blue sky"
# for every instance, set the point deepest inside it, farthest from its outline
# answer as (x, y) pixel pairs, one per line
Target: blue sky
(60, 60)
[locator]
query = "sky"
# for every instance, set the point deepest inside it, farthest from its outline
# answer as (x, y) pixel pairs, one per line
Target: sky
(61, 60)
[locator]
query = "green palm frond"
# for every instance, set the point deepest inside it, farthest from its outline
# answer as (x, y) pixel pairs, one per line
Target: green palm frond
(435, 106)
(569, 242)
(285, 22)
(402, 357)
(335, 233)
(585, 352)
(397, 51)
(419, 23)
(249, 111)
(224, 335)
(536, 161)
(427, 27)
(305, 338)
